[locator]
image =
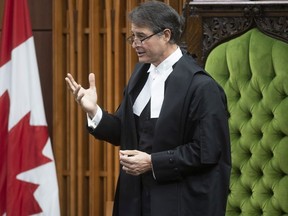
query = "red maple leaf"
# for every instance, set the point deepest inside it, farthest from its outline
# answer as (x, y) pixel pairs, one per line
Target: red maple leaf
(24, 148)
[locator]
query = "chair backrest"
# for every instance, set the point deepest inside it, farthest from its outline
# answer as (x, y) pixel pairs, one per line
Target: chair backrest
(253, 70)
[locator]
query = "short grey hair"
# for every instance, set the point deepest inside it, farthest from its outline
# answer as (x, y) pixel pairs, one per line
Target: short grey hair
(158, 16)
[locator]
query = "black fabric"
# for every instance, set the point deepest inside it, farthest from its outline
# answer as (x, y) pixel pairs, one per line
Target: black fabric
(190, 146)
(145, 134)
(145, 127)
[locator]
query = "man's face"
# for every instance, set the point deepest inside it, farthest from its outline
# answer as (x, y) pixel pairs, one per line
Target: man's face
(151, 50)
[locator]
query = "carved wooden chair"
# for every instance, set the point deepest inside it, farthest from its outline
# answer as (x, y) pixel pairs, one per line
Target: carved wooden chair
(244, 46)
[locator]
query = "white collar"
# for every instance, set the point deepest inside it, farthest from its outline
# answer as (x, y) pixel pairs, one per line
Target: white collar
(168, 62)
(155, 86)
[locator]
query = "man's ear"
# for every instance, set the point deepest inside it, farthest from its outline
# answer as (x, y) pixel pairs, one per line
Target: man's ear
(167, 34)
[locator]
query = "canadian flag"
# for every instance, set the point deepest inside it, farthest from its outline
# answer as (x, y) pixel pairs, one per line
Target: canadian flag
(28, 181)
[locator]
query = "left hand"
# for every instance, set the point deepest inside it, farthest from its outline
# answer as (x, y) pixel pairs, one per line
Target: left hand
(135, 162)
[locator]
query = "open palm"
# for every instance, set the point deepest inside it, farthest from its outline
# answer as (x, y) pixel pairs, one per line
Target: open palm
(86, 98)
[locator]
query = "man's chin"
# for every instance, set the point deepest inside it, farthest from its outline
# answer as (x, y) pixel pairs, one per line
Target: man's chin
(142, 59)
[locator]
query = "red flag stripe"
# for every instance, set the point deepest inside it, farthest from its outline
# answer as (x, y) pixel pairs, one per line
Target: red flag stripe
(17, 28)
(4, 104)
(28, 180)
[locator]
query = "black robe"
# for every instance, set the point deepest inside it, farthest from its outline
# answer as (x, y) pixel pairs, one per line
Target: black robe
(190, 151)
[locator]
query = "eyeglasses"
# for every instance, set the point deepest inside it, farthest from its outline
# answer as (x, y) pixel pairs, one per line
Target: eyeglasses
(137, 40)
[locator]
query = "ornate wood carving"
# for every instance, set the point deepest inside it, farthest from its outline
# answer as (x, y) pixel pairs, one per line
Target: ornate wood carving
(276, 26)
(215, 30)
(221, 21)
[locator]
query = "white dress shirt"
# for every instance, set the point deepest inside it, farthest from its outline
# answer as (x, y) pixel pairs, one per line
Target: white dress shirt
(153, 89)
(155, 86)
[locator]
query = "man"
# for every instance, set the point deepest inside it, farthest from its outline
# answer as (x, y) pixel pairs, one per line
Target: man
(171, 125)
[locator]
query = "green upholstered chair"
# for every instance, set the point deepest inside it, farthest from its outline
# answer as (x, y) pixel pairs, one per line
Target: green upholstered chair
(253, 70)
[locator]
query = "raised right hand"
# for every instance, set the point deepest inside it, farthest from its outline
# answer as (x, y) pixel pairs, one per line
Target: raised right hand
(86, 98)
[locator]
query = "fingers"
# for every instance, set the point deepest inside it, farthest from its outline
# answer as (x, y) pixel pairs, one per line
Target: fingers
(72, 84)
(69, 84)
(77, 96)
(92, 80)
(131, 169)
(135, 162)
(131, 172)
(86, 98)
(74, 87)
(128, 152)
(125, 159)
(76, 92)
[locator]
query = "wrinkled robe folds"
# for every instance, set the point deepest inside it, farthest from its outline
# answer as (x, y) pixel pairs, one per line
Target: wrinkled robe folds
(190, 150)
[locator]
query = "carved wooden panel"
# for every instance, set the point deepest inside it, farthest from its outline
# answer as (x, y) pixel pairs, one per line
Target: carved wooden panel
(212, 23)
